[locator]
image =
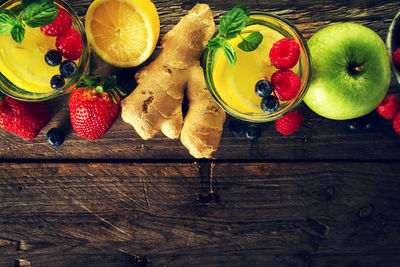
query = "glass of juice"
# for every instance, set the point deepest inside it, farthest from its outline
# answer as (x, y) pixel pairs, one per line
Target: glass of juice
(24, 73)
(233, 88)
(393, 43)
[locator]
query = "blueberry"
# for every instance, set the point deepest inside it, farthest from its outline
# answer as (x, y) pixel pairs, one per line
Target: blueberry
(53, 58)
(55, 136)
(253, 131)
(57, 82)
(372, 120)
(68, 68)
(263, 88)
(237, 127)
(270, 104)
(367, 122)
(355, 125)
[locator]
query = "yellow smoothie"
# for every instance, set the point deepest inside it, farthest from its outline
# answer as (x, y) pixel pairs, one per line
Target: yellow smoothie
(24, 65)
(236, 85)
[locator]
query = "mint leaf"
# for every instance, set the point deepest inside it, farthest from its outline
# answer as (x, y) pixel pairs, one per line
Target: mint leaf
(233, 22)
(7, 21)
(26, 3)
(39, 13)
(244, 8)
(215, 43)
(18, 32)
(230, 53)
(251, 42)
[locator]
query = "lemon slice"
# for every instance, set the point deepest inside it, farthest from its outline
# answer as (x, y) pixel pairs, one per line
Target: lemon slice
(123, 33)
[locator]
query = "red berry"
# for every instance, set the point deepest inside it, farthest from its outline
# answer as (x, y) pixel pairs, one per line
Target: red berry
(25, 119)
(284, 53)
(289, 123)
(286, 84)
(396, 57)
(59, 26)
(92, 113)
(396, 123)
(388, 107)
(69, 45)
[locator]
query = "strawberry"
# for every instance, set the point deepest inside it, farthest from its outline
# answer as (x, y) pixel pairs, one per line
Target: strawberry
(396, 123)
(59, 26)
(25, 119)
(289, 123)
(388, 107)
(69, 45)
(94, 109)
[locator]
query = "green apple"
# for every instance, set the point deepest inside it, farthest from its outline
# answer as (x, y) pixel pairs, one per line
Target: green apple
(351, 71)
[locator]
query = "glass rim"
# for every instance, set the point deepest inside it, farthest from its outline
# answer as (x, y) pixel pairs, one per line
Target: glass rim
(389, 38)
(8, 88)
(262, 117)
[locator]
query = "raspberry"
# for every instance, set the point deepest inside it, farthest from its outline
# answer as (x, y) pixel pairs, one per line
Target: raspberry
(289, 123)
(59, 26)
(396, 123)
(396, 57)
(388, 107)
(286, 84)
(284, 53)
(69, 45)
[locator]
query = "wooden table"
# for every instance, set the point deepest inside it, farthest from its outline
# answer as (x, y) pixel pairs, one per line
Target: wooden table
(324, 196)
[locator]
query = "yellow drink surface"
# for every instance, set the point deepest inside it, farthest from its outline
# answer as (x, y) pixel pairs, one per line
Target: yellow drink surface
(24, 65)
(236, 85)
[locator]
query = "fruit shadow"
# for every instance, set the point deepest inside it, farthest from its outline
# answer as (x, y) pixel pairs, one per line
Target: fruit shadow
(59, 111)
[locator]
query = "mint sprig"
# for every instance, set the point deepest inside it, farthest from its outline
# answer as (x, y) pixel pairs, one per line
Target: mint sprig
(7, 21)
(232, 23)
(36, 13)
(26, 3)
(18, 31)
(39, 13)
(251, 42)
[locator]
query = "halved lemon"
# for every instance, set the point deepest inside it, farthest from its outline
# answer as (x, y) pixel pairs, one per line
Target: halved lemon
(123, 33)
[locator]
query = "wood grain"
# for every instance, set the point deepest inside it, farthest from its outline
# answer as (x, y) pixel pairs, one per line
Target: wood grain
(283, 214)
(324, 196)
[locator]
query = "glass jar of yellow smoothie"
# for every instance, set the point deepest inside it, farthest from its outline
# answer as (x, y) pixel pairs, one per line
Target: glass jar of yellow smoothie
(233, 87)
(24, 74)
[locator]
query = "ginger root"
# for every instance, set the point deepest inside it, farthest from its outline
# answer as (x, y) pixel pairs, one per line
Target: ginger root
(156, 103)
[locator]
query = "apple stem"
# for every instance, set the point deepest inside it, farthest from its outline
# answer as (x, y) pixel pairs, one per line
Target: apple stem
(359, 68)
(356, 70)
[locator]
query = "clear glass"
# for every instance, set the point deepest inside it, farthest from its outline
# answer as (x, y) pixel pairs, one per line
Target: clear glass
(393, 42)
(7, 87)
(286, 29)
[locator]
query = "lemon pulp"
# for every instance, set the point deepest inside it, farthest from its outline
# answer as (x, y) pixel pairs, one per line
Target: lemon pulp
(24, 65)
(236, 85)
(123, 33)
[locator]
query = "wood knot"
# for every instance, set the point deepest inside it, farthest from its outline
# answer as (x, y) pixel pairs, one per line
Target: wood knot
(365, 211)
(22, 263)
(328, 194)
(208, 198)
(140, 261)
(304, 255)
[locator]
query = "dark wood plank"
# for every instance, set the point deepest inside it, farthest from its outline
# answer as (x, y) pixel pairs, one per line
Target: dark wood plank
(284, 214)
(318, 138)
